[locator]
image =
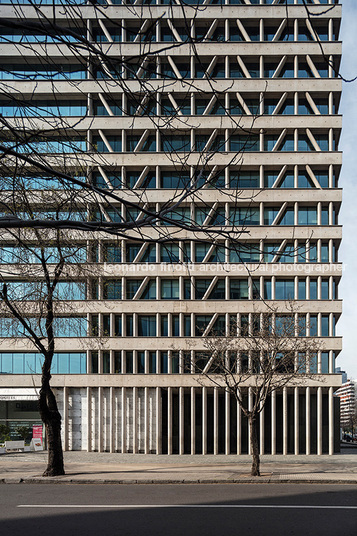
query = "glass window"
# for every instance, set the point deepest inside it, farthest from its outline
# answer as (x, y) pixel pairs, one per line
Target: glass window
(244, 216)
(302, 289)
(325, 289)
(152, 362)
(201, 323)
(175, 143)
(117, 362)
(324, 362)
(117, 326)
(112, 289)
(324, 325)
(201, 286)
(218, 292)
(244, 179)
(187, 325)
(313, 325)
(170, 253)
(175, 362)
(307, 216)
(164, 362)
(313, 289)
(244, 142)
(149, 291)
(175, 179)
(238, 289)
(164, 326)
(132, 286)
(129, 362)
(284, 289)
(175, 326)
(267, 289)
(147, 326)
(170, 289)
(111, 252)
(140, 362)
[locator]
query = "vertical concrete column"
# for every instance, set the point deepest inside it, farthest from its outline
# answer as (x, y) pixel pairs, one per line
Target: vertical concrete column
(204, 420)
(89, 363)
(330, 422)
(111, 420)
(261, 176)
(193, 421)
(135, 420)
(319, 421)
(89, 419)
(330, 168)
(261, 431)
(227, 407)
(181, 420)
(307, 419)
(146, 420)
(169, 420)
(330, 29)
(158, 439)
(215, 420)
(285, 421)
(100, 419)
(123, 420)
(296, 420)
(239, 428)
(65, 418)
(261, 140)
(250, 405)
(273, 422)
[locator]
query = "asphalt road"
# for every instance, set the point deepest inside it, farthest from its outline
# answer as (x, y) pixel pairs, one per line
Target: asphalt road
(178, 510)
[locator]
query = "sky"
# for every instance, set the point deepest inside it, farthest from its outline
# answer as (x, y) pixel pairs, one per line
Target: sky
(347, 325)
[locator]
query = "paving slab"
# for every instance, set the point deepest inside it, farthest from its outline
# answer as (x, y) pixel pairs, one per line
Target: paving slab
(116, 468)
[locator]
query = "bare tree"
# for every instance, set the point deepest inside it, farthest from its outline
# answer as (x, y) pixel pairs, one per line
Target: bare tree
(42, 272)
(257, 360)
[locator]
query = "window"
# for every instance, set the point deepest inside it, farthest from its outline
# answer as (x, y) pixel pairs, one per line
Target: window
(244, 179)
(244, 142)
(140, 362)
(201, 286)
(238, 289)
(31, 363)
(324, 325)
(244, 216)
(307, 216)
(170, 253)
(170, 289)
(112, 289)
(146, 326)
(111, 252)
(284, 289)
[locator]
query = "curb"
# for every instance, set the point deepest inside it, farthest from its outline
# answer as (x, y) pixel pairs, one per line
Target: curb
(251, 480)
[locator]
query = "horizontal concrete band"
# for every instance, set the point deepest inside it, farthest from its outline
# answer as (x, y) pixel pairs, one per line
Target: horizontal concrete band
(113, 50)
(134, 13)
(252, 85)
(197, 122)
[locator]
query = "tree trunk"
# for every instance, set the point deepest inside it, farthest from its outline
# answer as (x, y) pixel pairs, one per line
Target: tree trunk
(52, 420)
(254, 447)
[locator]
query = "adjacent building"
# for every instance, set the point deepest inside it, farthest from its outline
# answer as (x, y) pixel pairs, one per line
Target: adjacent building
(348, 406)
(274, 66)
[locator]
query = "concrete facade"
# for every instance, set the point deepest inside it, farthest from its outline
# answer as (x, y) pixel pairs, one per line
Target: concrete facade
(136, 392)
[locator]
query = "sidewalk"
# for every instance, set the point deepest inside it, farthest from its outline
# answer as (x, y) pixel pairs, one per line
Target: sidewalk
(116, 468)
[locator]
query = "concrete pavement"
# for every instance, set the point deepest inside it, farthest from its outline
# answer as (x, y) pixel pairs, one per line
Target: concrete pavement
(116, 468)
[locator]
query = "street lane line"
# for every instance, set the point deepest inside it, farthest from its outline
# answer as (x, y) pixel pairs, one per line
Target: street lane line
(271, 506)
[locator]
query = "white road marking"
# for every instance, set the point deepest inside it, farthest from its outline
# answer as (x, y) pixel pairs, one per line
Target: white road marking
(271, 506)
